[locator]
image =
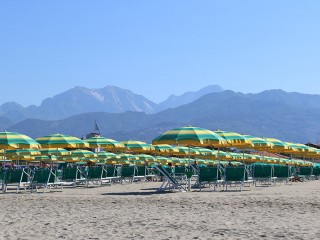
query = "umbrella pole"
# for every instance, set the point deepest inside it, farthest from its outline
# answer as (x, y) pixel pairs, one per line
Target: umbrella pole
(189, 168)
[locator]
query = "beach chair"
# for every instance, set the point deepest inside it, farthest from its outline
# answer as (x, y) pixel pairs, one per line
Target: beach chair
(316, 172)
(234, 175)
(179, 173)
(70, 175)
(140, 173)
(2, 173)
(96, 175)
(208, 175)
(127, 173)
(113, 173)
(263, 173)
(281, 172)
(42, 177)
(16, 178)
(305, 172)
(170, 183)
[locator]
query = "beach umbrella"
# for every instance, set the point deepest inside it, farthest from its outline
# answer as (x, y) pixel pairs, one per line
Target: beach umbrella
(82, 153)
(138, 146)
(234, 139)
(103, 157)
(22, 152)
(164, 149)
(161, 160)
(190, 136)
(185, 151)
(259, 144)
(278, 146)
(205, 153)
(13, 140)
(61, 141)
(126, 158)
(43, 158)
(145, 157)
(106, 143)
(54, 151)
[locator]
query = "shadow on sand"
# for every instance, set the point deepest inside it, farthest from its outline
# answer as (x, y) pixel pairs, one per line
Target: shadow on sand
(135, 193)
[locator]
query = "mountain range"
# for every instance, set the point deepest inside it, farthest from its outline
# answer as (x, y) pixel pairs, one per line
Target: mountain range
(83, 100)
(273, 113)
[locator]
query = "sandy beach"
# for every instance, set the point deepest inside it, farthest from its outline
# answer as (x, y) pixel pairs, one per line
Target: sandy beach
(136, 211)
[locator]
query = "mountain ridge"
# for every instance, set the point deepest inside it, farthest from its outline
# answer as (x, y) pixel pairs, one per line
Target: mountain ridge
(252, 114)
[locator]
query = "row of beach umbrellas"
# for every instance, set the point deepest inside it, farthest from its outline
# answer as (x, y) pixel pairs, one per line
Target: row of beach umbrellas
(19, 145)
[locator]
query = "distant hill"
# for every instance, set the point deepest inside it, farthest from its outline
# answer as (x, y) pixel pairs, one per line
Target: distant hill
(267, 114)
(188, 97)
(80, 100)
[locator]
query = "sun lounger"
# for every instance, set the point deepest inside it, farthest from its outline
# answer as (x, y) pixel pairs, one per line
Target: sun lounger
(305, 172)
(127, 173)
(70, 175)
(208, 175)
(16, 178)
(263, 173)
(170, 183)
(45, 178)
(281, 172)
(234, 175)
(140, 173)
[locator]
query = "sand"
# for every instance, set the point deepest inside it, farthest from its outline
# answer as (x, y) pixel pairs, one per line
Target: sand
(136, 211)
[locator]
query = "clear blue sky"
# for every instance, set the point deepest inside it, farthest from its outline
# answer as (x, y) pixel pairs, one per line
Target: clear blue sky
(157, 48)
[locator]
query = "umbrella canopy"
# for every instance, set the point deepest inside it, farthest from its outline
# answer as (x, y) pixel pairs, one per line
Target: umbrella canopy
(54, 151)
(234, 139)
(95, 142)
(43, 158)
(164, 149)
(138, 146)
(184, 151)
(278, 145)
(12, 140)
(61, 141)
(205, 152)
(22, 152)
(145, 157)
(259, 143)
(81, 153)
(190, 136)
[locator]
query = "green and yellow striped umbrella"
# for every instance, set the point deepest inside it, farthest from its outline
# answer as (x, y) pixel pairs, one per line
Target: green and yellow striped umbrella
(206, 153)
(82, 153)
(278, 146)
(12, 140)
(106, 155)
(61, 141)
(259, 144)
(234, 139)
(164, 149)
(184, 151)
(145, 157)
(54, 151)
(22, 152)
(190, 136)
(106, 143)
(43, 158)
(138, 146)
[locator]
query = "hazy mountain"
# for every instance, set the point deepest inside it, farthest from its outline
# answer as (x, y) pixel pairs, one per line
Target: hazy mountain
(188, 97)
(83, 100)
(110, 99)
(260, 114)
